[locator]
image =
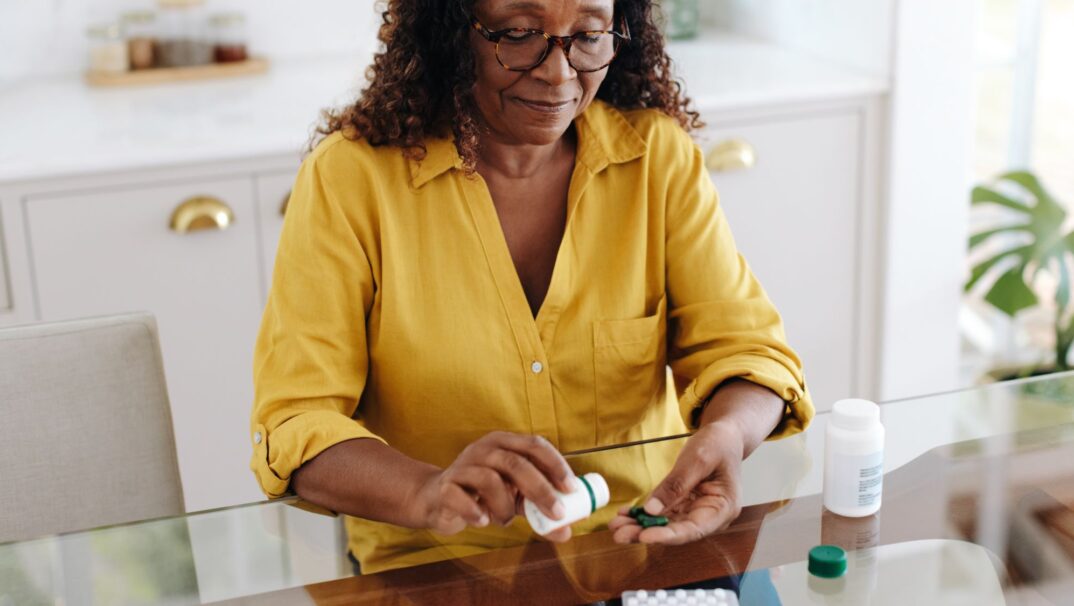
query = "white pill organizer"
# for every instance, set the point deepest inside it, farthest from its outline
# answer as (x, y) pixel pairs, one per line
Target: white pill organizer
(681, 597)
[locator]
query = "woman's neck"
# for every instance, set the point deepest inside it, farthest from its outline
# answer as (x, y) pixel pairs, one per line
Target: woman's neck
(522, 161)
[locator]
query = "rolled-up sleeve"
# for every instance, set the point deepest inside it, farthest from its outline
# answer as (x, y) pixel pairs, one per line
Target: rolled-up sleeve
(722, 325)
(311, 359)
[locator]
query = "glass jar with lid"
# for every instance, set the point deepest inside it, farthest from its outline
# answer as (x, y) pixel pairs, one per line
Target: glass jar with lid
(230, 37)
(141, 31)
(681, 18)
(107, 49)
(184, 39)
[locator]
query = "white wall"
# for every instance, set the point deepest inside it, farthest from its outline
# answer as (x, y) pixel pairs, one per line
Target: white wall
(48, 36)
(928, 184)
(926, 49)
(823, 28)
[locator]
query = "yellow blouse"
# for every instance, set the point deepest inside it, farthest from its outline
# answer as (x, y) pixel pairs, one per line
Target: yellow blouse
(396, 314)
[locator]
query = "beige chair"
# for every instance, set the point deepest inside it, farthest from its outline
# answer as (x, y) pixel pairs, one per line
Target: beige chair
(85, 427)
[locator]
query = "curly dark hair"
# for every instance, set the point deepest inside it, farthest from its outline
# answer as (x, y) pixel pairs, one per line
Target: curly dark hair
(421, 83)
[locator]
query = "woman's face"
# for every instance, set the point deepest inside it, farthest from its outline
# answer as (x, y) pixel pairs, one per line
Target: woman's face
(535, 107)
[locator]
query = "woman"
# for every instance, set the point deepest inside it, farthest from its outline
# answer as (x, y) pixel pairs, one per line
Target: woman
(490, 259)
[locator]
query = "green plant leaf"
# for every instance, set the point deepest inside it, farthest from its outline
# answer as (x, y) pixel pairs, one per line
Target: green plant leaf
(1010, 294)
(1028, 181)
(984, 195)
(979, 237)
(1051, 250)
(1046, 252)
(1067, 334)
(1063, 290)
(1064, 340)
(1046, 207)
(982, 268)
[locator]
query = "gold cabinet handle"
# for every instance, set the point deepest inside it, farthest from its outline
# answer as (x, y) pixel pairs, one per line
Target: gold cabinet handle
(283, 205)
(201, 213)
(730, 155)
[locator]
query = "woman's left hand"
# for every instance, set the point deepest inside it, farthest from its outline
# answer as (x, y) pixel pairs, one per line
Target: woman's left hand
(701, 494)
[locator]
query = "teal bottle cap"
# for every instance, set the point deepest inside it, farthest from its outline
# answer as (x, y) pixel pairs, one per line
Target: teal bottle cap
(827, 561)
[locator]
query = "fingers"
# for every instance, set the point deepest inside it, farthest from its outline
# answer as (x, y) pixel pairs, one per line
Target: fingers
(619, 521)
(529, 481)
(495, 494)
(697, 461)
(675, 533)
(707, 514)
(456, 502)
(559, 535)
(628, 533)
(493, 474)
(449, 524)
(624, 528)
(541, 454)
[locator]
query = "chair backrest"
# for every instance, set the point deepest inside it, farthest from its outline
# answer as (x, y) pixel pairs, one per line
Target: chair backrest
(85, 427)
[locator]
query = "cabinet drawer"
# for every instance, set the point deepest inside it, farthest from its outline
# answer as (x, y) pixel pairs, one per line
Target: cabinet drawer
(5, 288)
(113, 251)
(795, 216)
(273, 192)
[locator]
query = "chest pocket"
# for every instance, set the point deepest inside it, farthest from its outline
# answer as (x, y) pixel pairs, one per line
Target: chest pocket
(630, 359)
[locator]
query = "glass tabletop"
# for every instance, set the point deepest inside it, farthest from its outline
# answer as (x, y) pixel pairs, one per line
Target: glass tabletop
(982, 475)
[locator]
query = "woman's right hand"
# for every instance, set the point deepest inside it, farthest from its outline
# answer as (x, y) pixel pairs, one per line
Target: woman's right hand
(489, 480)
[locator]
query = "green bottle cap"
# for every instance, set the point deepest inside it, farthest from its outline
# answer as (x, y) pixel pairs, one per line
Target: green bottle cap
(827, 561)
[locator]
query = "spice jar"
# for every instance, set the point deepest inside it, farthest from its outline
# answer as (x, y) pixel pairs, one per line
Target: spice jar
(107, 49)
(229, 36)
(141, 30)
(183, 37)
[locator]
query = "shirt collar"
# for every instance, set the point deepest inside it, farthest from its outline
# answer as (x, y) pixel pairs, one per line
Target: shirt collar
(604, 137)
(440, 156)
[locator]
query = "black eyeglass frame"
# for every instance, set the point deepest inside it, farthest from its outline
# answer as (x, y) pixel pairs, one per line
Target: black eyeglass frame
(563, 42)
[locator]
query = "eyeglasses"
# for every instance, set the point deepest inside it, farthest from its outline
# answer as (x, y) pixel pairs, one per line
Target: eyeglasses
(521, 49)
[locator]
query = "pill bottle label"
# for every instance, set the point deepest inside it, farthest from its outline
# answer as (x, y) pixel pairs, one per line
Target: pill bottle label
(865, 476)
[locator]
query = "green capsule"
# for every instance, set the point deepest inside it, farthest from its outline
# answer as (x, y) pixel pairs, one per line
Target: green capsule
(646, 520)
(650, 521)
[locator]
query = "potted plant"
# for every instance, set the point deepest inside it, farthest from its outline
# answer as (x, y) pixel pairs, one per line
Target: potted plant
(1043, 244)
(680, 19)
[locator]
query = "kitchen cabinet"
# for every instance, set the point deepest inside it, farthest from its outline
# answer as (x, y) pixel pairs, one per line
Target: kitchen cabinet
(273, 192)
(794, 214)
(109, 251)
(5, 301)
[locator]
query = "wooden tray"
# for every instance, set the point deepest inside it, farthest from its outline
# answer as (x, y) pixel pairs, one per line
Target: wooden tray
(165, 75)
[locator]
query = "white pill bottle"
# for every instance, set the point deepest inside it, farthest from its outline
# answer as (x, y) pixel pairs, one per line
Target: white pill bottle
(588, 494)
(854, 459)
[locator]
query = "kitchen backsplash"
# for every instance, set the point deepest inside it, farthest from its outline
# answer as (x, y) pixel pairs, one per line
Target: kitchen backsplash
(851, 33)
(47, 37)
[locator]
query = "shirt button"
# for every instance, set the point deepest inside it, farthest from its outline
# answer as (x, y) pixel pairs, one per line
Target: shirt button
(257, 437)
(536, 367)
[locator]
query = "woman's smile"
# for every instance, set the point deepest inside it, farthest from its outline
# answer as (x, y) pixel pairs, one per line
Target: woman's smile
(545, 107)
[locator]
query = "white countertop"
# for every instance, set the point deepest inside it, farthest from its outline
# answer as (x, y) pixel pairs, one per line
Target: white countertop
(726, 72)
(61, 127)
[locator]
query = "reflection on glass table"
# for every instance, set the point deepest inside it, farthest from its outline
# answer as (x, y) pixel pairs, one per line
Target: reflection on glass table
(934, 572)
(972, 477)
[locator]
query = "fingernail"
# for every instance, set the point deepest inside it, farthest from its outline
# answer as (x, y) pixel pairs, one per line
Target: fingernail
(654, 507)
(558, 511)
(483, 521)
